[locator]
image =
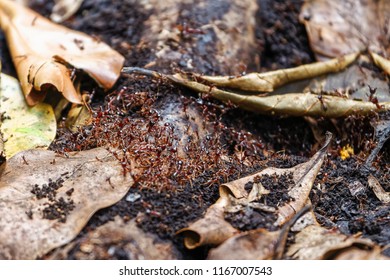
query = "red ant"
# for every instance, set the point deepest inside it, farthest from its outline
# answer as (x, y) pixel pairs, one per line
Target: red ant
(321, 99)
(184, 29)
(372, 98)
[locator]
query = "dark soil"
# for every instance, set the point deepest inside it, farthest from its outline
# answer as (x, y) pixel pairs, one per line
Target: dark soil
(181, 155)
(55, 208)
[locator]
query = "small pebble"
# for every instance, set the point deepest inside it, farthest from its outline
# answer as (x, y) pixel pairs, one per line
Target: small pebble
(133, 197)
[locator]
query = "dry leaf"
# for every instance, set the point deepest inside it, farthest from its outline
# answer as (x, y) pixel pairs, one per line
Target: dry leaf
(46, 199)
(64, 9)
(380, 193)
(78, 116)
(337, 28)
(23, 127)
(381, 62)
(291, 104)
(256, 244)
(260, 244)
(354, 253)
(269, 81)
(44, 54)
(315, 242)
(212, 229)
(105, 241)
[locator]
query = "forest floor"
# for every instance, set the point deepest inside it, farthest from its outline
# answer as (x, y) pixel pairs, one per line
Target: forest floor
(165, 201)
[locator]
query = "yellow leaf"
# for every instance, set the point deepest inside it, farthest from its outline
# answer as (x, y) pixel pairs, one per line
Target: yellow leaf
(24, 127)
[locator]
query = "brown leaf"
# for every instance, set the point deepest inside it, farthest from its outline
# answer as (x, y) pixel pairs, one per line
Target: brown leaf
(103, 242)
(381, 62)
(46, 199)
(256, 244)
(64, 9)
(380, 193)
(315, 242)
(269, 81)
(44, 53)
(291, 104)
(212, 229)
(355, 253)
(337, 28)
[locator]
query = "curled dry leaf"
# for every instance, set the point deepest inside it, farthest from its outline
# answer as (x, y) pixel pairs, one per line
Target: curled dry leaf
(105, 241)
(287, 104)
(291, 104)
(45, 53)
(260, 244)
(78, 116)
(46, 199)
(256, 244)
(64, 9)
(269, 81)
(315, 242)
(380, 193)
(212, 229)
(23, 127)
(381, 62)
(341, 27)
(354, 253)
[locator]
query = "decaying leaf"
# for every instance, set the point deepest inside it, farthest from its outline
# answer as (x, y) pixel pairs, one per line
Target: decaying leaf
(291, 104)
(46, 199)
(315, 242)
(105, 242)
(260, 244)
(355, 253)
(78, 115)
(45, 54)
(257, 244)
(341, 27)
(23, 127)
(269, 81)
(287, 104)
(380, 193)
(213, 229)
(382, 134)
(64, 9)
(381, 62)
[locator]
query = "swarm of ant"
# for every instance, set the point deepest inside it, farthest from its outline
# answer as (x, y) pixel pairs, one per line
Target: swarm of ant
(131, 125)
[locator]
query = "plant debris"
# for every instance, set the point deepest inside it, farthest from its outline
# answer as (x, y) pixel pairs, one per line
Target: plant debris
(23, 127)
(46, 55)
(40, 217)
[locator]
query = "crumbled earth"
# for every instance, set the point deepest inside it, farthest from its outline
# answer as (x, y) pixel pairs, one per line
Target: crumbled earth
(179, 142)
(55, 208)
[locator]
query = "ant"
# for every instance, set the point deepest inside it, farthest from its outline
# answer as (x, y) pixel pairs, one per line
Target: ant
(321, 99)
(184, 29)
(372, 98)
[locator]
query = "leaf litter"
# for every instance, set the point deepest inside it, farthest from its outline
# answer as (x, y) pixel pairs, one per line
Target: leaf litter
(239, 204)
(46, 199)
(288, 104)
(46, 55)
(23, 127)
(214, 230)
